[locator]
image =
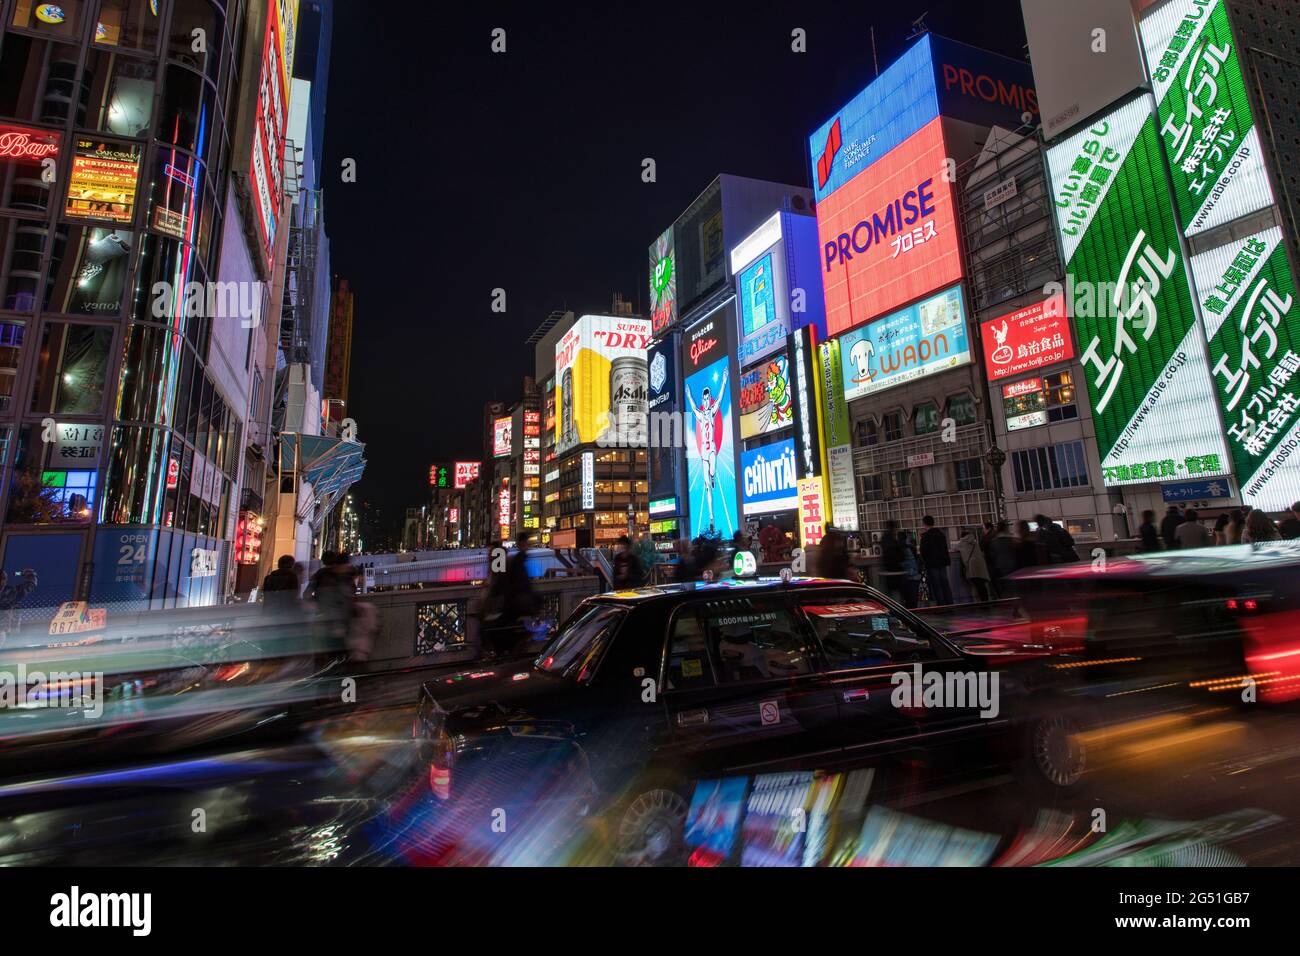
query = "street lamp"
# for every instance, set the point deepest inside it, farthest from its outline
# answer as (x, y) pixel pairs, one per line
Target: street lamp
(996, 458)
(631, 519)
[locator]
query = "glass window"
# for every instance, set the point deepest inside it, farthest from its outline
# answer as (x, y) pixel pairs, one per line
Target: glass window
(893, 422)
(868, 433)
(176, 189)
(88, 270)
(925, 418)
(969, 473)
(934, 479)
(754, 639)
(28, 167)
(149, 371)
(22, 244)
(575, 651)
(165, 270)
(185, 119)
(11, 349)
(37, 79)
(870, 488)
(133, 480)
(62, 19)
(118, 93)
(104, 181)
(71, 368)
(44, 493)
(858, 632)
(1059, 389)
(128, 23)
(961, 409)
(202, 51)
(900, 483)
(1050, 467)
(689, 664)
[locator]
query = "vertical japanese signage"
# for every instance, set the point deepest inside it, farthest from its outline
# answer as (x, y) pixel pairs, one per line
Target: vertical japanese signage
(663, 283)
(807, 432)
(812, 511)
(588, 481)
(839, 445)
(1206, 123)
(1252, 320)
(1144, 354)
(266, 164)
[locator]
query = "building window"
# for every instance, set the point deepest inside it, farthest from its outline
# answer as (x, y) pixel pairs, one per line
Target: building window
(868, 434)
(71, 368)
(39, 495)
(870, 488)
(127, 23)
(961, 409)
(88, 270)
(118, 94)
(33, 16)
(1038, 401)
(900, 483)
(934, 479)
(969, 473)
(1050, 467)
(893, 423)
(22, 243)
(11, 350)
(1060, 397)
(925, 418)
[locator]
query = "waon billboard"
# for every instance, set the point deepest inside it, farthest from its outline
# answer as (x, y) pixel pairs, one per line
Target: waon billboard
(889, 235)
(1027, 338)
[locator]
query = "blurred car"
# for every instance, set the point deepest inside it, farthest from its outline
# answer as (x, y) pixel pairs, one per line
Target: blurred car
(642, 691)
(1219, 624)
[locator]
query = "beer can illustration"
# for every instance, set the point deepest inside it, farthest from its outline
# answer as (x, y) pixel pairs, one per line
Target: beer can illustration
(629, 386)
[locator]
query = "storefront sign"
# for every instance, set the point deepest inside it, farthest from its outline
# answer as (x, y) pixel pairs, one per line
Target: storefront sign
(1027, 339)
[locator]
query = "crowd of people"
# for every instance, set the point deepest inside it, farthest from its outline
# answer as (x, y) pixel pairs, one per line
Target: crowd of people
(340, 621)
(1184, 529)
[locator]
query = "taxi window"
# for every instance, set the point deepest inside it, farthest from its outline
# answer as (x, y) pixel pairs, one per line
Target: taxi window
(755, 639)
(859, 632)
(689, 664)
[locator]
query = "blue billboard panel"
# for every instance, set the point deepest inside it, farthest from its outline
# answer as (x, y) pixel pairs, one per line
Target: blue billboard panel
(762, 323)
(124, 566)
(926, 337)
(661, 402)
(900, 101)
(769, 478)
(42, 568)
(983, 88)
(1197, 490)
(711, 452)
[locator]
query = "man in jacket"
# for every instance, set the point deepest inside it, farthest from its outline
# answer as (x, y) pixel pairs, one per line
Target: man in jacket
(973, 566)
(1169, 527)
(937, 560)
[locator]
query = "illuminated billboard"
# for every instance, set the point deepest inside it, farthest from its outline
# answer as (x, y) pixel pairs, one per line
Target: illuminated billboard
(769, 478)
(778, 284)
(600, 377)
(1027, 338)
(266, 162)
(889, 237)
(1252, 319)
(27, 145)
(103, 182)
(840, 486)
(663, 283)
(440, 476)
(710, 451)
(465, 472)
(502, 437)
(766, 395)
(1153, 402)
(1209, 132)
(926, 337)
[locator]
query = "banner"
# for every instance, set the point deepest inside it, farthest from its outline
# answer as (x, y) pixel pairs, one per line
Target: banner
(768, 478)
(924, 338)
(839, 443)
(766, 398)
(1027, 339)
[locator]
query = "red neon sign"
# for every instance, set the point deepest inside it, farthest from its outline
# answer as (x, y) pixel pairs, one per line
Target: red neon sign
(19, 143)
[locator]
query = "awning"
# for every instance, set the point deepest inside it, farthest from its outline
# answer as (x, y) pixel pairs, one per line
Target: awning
(329, 465)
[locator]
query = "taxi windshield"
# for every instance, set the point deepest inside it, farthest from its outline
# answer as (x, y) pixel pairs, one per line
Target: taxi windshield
(577, 649)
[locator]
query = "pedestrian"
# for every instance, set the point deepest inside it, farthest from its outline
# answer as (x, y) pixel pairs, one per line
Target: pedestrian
(1221, 528)
(629, 573)
(936, 561)
(511, 601)
(687, 570)
(911, 571)
(1191, 533)
(1002, 558)
(833, 555)
(1290, 529)
(1236, 527)
(1147, 533)
(281, 587)
(1026, 546)
(1056, 545)
(892, 558)
(974, 568)
(1169, 526)
(1259, 528)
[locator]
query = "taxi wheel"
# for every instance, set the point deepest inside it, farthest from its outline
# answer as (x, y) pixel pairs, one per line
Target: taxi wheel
(649, 827)
(1055, 752)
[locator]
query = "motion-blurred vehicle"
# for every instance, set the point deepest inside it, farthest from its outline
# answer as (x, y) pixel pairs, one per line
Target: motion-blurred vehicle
(1218, 625)
(642, 691)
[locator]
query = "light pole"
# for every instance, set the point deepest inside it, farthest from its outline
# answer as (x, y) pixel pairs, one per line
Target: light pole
(631, 520)
(996, 458)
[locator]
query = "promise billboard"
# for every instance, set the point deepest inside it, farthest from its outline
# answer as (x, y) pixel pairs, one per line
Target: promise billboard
(1153, 402)
(890, 237)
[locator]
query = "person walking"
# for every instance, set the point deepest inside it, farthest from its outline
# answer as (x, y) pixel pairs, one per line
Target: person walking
(1236, 526)
(280, 588)
(1169, 526)
(1026, 546)
(1290, 529)
(1191, 533)
(1147, 533)
(936, 560)
(892, 558)
(1002, 559)
(511, 599)
(974, 568)
(1056, 545)
(911, 571)
(629, 573)
(1259, 528)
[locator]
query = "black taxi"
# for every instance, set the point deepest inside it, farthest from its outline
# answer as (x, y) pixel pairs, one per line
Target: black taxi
(642, 691)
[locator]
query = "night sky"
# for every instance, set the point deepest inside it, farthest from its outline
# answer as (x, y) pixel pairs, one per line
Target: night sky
(523, 171)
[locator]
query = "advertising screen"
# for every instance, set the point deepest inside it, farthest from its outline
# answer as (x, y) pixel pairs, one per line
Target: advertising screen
(1025, 404)
(1027, 338)
(924, 338)
(600, 367)
(766, 397)
(768, 478)
(710, 451)
(266, 162)
(1252, 320)
(1209, 132)
(663, 283)
(840, 486)
(103, 181)
(502, 437)
(812, 511)
(1153, 402)
(889, 237)
(757, 305)
(664, 449)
